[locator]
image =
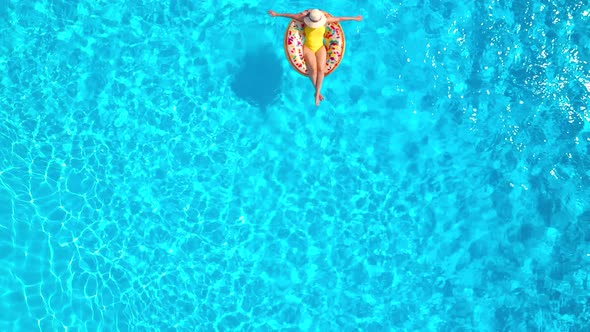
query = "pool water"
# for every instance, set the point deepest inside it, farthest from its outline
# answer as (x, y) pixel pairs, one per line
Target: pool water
(162, 168)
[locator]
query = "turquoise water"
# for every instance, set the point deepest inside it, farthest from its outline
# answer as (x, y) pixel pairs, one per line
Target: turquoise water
(162, 168)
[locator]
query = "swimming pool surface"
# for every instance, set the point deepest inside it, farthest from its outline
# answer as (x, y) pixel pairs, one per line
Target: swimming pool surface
(162, 168)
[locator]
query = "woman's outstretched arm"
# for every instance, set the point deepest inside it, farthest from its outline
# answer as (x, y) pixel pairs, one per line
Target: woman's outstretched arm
(344, 18)
(298, 17)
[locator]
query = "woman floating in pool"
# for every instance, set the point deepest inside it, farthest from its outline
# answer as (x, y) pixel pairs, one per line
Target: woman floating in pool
(314, 51)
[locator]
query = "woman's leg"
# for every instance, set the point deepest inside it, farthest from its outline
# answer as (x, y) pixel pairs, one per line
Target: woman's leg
(321, 71)
(311, 63)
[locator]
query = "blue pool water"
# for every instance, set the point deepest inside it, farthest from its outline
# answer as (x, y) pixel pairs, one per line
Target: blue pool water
(162, 168)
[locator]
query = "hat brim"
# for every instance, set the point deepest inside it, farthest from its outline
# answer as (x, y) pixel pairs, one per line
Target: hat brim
(314, 25)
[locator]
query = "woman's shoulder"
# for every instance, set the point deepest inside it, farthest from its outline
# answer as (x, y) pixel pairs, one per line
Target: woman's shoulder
(305, 26)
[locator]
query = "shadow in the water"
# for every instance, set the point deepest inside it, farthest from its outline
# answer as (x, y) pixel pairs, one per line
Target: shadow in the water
(258, 79)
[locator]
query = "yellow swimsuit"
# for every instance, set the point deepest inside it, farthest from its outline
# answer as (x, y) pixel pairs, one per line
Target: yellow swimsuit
(314, 38)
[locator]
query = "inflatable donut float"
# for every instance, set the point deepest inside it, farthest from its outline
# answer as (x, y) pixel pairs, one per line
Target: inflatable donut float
(334, 43)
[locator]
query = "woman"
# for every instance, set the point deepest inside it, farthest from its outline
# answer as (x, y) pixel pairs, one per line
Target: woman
(314, 51)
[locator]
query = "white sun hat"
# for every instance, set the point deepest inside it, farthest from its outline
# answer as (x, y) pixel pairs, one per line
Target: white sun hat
(315, 19)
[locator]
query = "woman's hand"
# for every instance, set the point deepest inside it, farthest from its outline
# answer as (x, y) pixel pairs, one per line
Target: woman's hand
(358, 18)
(272, 13)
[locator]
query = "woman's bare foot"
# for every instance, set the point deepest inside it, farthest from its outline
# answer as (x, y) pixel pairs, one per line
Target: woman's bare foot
(318, 97)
